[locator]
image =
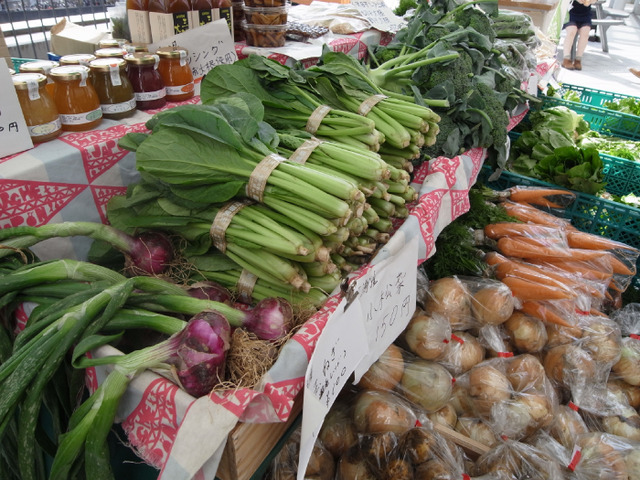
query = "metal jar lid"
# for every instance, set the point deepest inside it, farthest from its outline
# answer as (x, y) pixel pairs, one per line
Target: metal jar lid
(110, 52)
(77, 59)
(21, 80)
(141, 58)
(69, 72)
(104, 64)
(171, 52)
(38, 66)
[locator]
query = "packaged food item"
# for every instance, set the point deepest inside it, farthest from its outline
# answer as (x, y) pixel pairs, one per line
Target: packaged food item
(38, 108)
(136, 47)
(270, 36)
(238, 16)
(112, 42)
(176, 73)
(168, 18)
(77, 59)
(138, 20)
(76, 99)
(148, 87)
(266, 3)
(110, 52)
(266, 15)
(43, 67)
(113, 87)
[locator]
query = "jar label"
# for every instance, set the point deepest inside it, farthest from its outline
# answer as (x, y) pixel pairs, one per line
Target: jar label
(118, 107)
(80, 118)
(45, 128)
(147, 96)
(180, 89)
(33, 89)
(114, 73)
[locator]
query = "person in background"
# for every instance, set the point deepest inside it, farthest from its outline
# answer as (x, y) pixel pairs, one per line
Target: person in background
(579, 24)
(635, 71)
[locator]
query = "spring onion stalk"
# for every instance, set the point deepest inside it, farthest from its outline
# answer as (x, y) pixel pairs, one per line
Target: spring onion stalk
(199, 354)
(148, 252)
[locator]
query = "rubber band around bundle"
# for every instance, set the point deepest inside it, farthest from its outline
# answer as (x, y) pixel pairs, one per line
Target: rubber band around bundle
(315, 119)
(260, 175)
(368, 103)
(246, 283)
(304, 151)
(221, 222)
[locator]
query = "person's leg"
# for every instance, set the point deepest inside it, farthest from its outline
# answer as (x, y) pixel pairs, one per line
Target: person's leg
(570, 36)
(583, 39)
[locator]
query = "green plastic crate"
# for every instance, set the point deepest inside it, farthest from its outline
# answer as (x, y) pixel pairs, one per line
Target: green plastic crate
(19, 61)
(600, 119)
(592, 96)
(587, 213)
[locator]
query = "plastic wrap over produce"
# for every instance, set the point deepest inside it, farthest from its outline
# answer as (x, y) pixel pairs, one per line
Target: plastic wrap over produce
(185, 437)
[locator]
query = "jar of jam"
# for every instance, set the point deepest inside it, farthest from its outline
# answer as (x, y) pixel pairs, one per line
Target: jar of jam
(112, 43)
(43, 67)
(77, 59)
(176, 73)
(39, 110)
(76, 99)
(148, 87)
(109, 78)
(111, 52)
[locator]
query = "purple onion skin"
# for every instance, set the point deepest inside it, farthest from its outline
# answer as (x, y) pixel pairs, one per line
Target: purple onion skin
(270, 319)
(151, 252)
(202, 352)
(209, 290)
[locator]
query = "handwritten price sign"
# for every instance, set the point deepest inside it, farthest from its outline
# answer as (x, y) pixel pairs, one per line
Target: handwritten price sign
(339, 350)
(387, 294)
(379, 15)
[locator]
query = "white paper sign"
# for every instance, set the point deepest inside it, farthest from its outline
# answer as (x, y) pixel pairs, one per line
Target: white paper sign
(387, 295)
(14, 133)
(340, 348)
(379, 15)
(208, 46)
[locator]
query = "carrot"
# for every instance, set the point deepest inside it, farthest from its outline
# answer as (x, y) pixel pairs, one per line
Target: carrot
(618, 266)
(581, 269)
(528, 290)
(553, 242)
(590, 241)
(540, 311)
(544, 197)
(598, 313)
(507, 229)
(494, 258)
(527, 213)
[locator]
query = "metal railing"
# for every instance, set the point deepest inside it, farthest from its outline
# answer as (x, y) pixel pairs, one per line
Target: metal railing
(26, 24)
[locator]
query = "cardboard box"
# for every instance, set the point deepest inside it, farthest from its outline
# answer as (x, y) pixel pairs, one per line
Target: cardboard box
(68, 38)
(249, 444)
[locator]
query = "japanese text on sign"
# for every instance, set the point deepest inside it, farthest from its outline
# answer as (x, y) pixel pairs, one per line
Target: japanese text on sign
(379, 15)
(387, 294)
(208, 46)
(14, 134)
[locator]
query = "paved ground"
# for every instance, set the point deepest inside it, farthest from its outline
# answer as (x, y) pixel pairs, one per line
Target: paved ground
(609, 71)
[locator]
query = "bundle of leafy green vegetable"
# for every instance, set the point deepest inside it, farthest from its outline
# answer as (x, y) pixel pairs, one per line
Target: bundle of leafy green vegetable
(614, 146)
(475, 84)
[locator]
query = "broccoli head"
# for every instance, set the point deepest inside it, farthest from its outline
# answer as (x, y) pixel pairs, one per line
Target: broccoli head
(458, 73)
(477, 19)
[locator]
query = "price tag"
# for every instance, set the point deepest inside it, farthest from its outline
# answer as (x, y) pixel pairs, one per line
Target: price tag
(379, 15)
(340, 348)
(208, 46)
(14, 133)
(387, 294)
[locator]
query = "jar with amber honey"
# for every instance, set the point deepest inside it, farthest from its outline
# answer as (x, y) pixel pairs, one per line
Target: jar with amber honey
(39, 110)
(109, 78)
(43, 67)
(76, 99)
(176, 73)
(148, 87)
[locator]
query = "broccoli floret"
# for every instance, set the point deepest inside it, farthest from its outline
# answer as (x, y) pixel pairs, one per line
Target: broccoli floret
(458, 72)
(477, 19)
(448, 141)
(404, 6)
(494, 109)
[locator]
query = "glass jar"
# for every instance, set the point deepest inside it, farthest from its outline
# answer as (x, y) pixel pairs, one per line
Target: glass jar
(136, 47)
(179, 9)
(111, 52)
(109, 78)
(43, 67)
(148, 87)
(176, 73)
(76, 99)
(39, 110)
(204, 9)
(77, 59)
(112, 43)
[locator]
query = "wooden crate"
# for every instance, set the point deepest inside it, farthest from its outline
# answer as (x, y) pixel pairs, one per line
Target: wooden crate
(249, 444)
